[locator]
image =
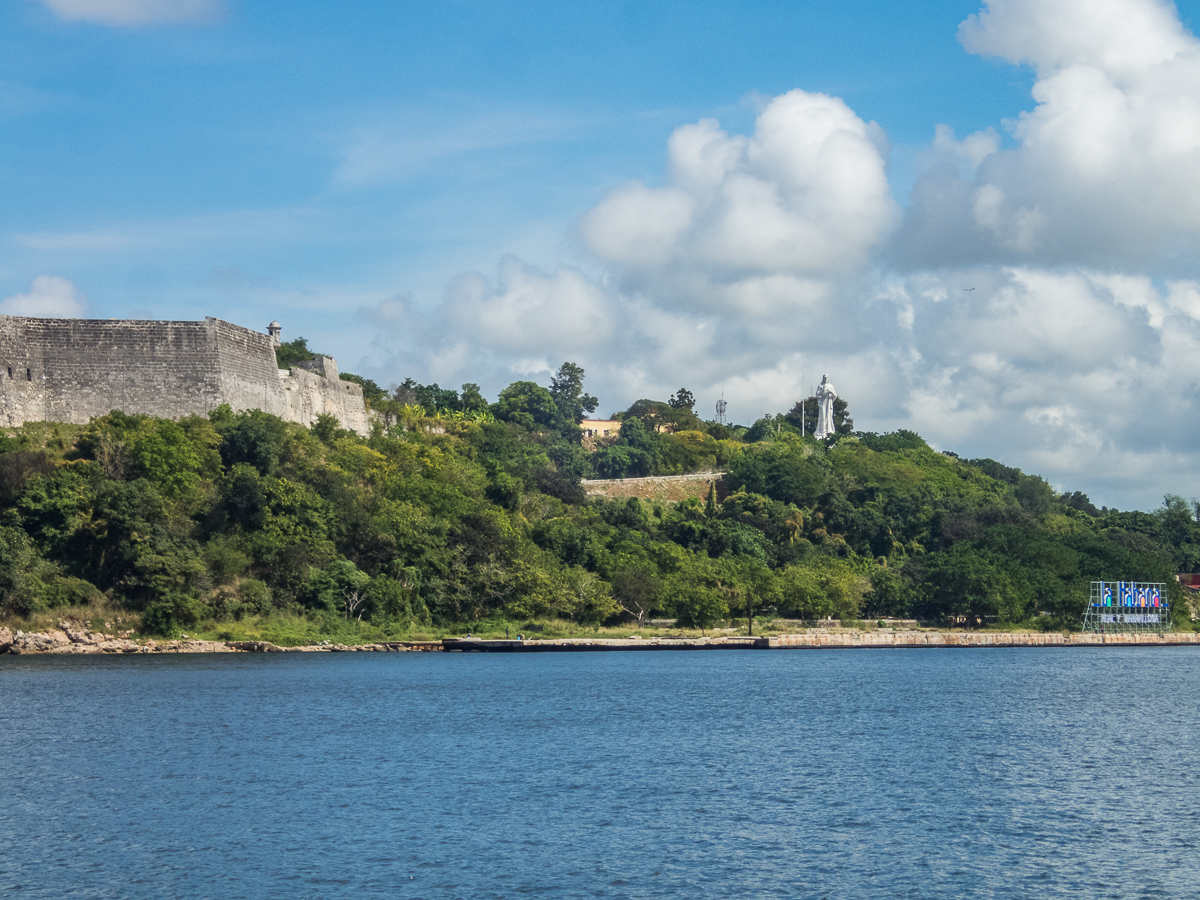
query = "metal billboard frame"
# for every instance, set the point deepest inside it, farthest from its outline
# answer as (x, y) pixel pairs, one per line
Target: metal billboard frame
(1133, 607)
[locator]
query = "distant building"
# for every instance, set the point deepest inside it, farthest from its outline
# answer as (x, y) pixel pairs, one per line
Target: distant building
(599, 433)
(600, 428)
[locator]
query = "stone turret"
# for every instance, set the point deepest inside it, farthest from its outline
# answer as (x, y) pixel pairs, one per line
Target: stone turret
(274, 330)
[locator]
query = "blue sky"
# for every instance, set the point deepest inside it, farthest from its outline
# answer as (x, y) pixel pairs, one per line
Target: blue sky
(475, 191)
(431, 137)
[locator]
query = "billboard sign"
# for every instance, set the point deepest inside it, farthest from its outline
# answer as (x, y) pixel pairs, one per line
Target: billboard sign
(1128, 606)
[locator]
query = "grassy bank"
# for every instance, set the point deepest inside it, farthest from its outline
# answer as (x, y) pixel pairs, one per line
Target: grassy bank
(294, 630)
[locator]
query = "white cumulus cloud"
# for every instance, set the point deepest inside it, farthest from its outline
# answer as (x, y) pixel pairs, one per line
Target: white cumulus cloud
(1119, 36)
(805, 195)
(50, 296)
(1105, 169)
(525, 310)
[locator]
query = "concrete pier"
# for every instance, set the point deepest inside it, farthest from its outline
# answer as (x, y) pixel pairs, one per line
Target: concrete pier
(816, 640)
(586, 645)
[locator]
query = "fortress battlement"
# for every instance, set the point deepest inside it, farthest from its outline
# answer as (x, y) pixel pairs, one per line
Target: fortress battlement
(69, 370)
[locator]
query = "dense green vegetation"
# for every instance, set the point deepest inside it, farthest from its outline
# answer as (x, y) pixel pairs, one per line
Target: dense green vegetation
(454, 511)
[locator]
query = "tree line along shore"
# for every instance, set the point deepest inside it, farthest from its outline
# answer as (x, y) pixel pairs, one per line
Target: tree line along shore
(456, 515)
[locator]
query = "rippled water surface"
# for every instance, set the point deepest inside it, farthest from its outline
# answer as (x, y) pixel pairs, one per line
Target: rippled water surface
(861, 773)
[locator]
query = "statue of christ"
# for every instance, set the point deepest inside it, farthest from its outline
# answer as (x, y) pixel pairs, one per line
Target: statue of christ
(825, 397)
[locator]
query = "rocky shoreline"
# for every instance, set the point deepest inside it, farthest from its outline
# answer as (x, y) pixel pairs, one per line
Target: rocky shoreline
(69, 638)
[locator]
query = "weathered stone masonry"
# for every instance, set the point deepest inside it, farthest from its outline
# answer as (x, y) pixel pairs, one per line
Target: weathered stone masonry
(69, 370)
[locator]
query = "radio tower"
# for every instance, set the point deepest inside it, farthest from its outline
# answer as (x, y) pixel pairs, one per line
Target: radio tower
(721, 408)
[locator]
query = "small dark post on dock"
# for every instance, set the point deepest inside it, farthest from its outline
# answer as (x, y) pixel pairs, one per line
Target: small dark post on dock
(749, 614)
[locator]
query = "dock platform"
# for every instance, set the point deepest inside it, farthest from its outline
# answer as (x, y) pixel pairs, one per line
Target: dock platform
(817, 640)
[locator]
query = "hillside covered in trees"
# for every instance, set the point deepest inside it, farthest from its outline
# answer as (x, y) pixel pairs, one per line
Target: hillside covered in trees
(456, 512)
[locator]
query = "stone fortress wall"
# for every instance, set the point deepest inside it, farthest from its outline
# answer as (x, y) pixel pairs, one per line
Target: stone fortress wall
(69, 370)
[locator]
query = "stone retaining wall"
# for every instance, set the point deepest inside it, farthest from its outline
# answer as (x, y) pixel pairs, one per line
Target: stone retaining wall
(663, 488)
(71, 370)
(981, 639)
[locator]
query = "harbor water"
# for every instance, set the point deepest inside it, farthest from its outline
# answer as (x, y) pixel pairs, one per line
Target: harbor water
(1015, 773)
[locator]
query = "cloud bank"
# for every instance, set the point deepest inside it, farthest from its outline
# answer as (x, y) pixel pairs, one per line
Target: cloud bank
(1037, 301)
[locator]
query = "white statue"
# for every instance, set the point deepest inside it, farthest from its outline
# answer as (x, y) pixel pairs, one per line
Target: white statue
(825, 397)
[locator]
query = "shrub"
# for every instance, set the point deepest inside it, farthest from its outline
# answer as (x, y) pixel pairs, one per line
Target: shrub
(167, 617)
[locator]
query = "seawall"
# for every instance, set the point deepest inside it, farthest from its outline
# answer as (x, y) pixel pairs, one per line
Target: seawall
(71, 639)
(818, 641)
(918, 639)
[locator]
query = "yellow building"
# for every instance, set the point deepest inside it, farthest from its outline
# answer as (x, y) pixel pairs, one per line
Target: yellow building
(599, 433)
(600, 428)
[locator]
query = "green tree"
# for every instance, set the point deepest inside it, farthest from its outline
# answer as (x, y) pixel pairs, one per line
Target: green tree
(19, 583)
(701, 591)
(164, 454)
(435, 399)
(1035, 494)
(406, 393)
(635, 454)
(770, 427)
(326, 428)
(893, 441)
(566, 388)
(255, 438)
(804, 414)
(687, 451)
(172, 613)
(970, 584)
(823, 587)
(683, 399)
(698, 604)
(290, 353)
(788, 470)
(471, 400)
(659, 416)
(888, 595)
(527, 404)
(637, 589)
(340, 588)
